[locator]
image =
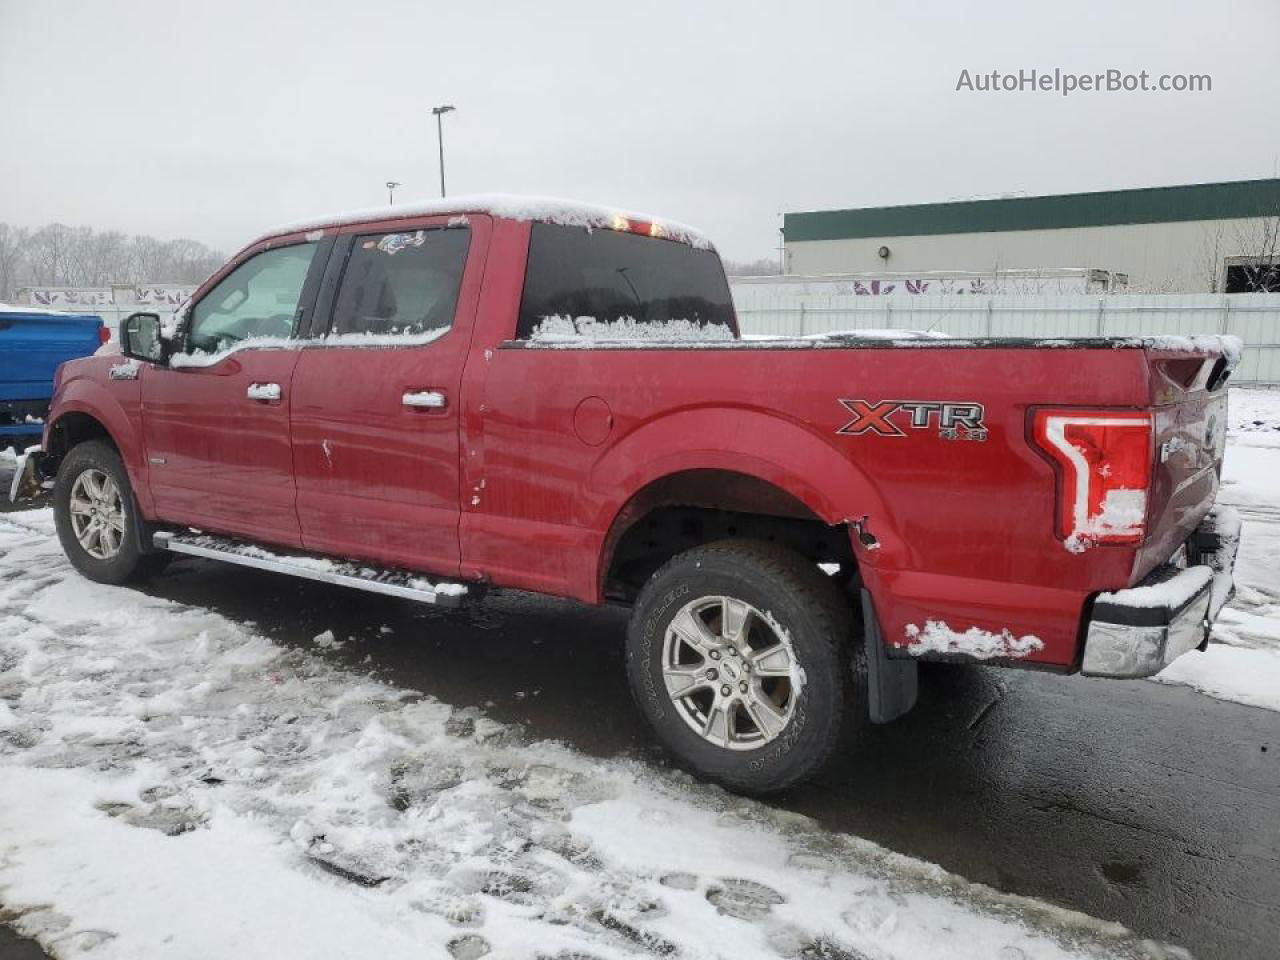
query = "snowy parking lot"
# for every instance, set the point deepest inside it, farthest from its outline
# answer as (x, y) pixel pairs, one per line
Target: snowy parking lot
(176, 782)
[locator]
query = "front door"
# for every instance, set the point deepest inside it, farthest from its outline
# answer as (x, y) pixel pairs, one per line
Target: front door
(216, 418)
(375, 399)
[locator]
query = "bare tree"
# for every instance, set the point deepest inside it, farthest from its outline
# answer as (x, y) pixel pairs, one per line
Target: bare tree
(13, 258)
(49, 255)
(60, 256)
(751, 268)
(1258, 260)
(1210, 261)
(148, 259)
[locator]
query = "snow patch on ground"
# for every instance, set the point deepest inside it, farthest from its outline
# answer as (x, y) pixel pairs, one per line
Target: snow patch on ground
(1242, 662)
(176, 785)
(1249, 676)
(937, 637)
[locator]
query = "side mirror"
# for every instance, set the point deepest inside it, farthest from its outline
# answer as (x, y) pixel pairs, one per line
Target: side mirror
(140, 338)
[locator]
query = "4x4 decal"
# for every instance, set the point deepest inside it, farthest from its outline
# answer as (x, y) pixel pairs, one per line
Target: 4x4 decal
(953, 420)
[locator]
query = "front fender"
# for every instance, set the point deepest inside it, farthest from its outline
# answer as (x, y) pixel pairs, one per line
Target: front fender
(792, 457)
(86, 395)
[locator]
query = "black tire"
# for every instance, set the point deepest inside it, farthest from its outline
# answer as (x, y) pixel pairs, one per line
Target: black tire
(129, 562)
(818, 620)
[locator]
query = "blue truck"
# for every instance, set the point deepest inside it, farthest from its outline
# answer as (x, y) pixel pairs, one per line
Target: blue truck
(33, 343)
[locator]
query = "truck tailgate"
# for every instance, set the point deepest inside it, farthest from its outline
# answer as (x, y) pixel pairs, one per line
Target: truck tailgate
(1189, 405)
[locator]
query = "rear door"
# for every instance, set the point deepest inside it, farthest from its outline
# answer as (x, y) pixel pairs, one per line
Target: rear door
(216, 419)
(375, 401)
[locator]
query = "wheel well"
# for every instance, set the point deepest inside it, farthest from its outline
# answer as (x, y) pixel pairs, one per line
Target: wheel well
(68, 431)
(693, 507)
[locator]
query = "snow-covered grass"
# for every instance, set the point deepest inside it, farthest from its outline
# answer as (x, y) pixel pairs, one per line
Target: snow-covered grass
(173, 784)
(1243, 659)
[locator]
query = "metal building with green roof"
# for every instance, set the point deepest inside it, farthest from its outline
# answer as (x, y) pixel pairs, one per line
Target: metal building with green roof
(1203, 237)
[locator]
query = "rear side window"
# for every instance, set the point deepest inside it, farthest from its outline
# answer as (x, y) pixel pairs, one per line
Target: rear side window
(610, 276)
(401, 283)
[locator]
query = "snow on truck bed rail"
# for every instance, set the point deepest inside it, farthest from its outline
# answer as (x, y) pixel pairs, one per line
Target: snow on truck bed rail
(510, 207)
(631, 334)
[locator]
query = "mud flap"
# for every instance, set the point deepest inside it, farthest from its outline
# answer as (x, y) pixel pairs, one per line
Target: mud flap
(26, 477)
(892, 685)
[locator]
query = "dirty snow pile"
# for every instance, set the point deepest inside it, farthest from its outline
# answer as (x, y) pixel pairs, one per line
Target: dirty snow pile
(174, 785)
(1243, 661)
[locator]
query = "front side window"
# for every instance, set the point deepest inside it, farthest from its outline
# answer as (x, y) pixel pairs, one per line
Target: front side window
(259, 298)
(611, 277)
(402, 284)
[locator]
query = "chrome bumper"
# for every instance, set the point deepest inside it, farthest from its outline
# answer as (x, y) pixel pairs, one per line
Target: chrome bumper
(1139, 631)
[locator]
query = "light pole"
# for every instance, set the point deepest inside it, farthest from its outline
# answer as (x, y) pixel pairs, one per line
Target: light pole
(440, 112)
(391, 191)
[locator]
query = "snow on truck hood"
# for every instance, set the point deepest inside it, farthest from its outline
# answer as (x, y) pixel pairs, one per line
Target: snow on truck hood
(509, 207)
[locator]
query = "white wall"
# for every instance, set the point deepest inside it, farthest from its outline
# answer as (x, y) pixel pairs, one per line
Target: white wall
(1254, 317)
(1159, 257)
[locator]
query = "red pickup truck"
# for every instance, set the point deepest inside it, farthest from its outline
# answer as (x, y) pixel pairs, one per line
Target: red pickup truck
(495, 392)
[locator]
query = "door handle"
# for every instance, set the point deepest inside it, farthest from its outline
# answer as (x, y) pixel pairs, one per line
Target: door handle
(424, 399)
(263, 392)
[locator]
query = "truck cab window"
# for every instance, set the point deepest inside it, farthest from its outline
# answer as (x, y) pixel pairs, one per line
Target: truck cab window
(402, 283)
(259, 298)
(609, 275)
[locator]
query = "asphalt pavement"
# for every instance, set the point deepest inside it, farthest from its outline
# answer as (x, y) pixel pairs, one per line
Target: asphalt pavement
(1132, 801)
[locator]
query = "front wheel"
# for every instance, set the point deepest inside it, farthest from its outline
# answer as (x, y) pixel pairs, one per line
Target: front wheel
(738, 654)
(95, 515)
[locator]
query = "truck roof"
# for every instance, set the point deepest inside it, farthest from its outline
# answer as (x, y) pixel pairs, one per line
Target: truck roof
(510, 207)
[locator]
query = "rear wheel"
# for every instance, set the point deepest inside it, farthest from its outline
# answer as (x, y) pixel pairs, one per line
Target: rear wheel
(738, 657)
(96, 518)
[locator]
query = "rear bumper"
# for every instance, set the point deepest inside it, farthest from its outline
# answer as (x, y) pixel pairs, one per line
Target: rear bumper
(1139, 631)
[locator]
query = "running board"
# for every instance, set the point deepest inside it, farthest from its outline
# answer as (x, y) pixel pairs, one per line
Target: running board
(346, 573)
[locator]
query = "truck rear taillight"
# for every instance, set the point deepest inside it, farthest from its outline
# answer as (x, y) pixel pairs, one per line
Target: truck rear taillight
(1105, 460)
(104, 333)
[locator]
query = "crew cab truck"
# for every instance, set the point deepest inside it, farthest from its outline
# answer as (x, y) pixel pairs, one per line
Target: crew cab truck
(33, 342)
(495, 392)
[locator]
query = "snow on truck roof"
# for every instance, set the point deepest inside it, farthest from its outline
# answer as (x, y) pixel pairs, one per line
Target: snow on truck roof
(512, 207)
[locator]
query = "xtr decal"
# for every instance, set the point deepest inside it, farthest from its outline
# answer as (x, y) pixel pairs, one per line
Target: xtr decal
(953, 420)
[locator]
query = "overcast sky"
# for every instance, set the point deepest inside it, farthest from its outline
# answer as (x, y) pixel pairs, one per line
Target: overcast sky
(216, 120)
